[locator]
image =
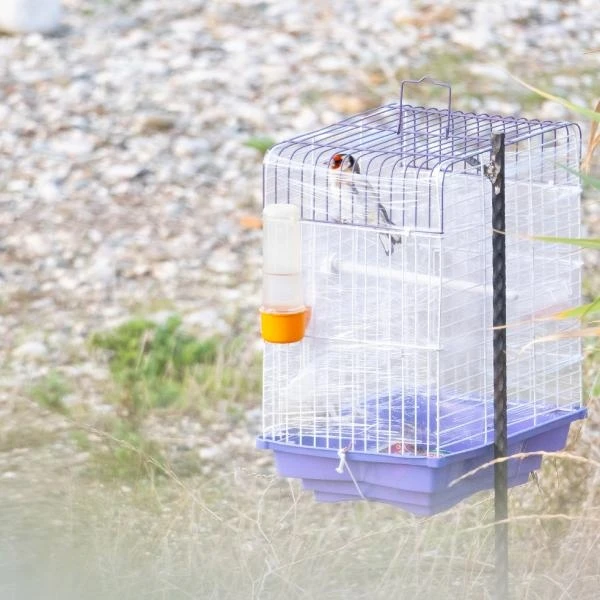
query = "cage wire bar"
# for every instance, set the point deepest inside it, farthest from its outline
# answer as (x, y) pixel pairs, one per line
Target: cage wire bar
(368, 274)
(397, 360)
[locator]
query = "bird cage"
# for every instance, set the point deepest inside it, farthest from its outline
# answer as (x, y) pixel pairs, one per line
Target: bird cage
(377, 305)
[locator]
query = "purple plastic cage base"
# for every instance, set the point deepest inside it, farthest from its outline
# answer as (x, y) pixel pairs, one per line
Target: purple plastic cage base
(418, 484)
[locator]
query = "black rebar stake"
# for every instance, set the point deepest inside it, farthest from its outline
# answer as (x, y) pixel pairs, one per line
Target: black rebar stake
(495, 172)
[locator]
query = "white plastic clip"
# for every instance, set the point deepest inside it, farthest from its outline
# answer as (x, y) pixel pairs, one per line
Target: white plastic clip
(342, 456)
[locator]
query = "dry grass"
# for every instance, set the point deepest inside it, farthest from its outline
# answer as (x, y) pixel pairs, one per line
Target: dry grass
(240, 534)
(246, 535)
(25, 437)
(592, 145)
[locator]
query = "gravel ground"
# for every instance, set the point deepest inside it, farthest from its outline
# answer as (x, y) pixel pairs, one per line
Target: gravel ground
(124, 171)
(125, 178)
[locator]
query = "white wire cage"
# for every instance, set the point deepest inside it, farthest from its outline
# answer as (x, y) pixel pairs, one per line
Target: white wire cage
(396, 262)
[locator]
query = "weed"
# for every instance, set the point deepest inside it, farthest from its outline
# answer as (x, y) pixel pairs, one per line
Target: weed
(25, 437)
(128, 455)
(160, 366)
(262, 144)
(81, 439)
(157, 367)
(50, 392)
(151, 363)
(233, 380)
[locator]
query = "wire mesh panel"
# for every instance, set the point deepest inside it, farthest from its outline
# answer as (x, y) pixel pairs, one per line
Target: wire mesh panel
(372, 347)
(396, 251)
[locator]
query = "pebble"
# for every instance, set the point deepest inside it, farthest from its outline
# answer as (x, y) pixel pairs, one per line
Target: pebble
(35, 245)
(48, 191)
(209, 453)
(101, 268)
(161, 317)
(185, 146)
(553, 111)
(121, 172)
(155, 122)
(209, 320)
(223, 261)
(124, 159)
(17, 16)
(31, 350)
(474, 39)
(164, 271)
(204, 318)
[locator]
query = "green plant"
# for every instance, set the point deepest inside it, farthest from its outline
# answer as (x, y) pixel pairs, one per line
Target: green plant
(561, 498)
(262, 144)
(160, 366)
(151, 363)
(584, 311)
(81, 439)
(50, 392)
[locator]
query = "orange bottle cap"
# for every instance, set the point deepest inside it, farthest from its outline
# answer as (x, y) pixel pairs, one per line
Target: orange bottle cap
(283, 327)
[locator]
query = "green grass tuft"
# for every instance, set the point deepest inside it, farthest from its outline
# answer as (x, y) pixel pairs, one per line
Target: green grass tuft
(50, 392)
(262, 144)
(152, 363)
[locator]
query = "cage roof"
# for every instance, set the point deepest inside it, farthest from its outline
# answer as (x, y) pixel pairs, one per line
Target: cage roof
(427, 136)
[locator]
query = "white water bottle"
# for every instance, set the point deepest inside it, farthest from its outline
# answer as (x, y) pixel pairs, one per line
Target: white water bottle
(284, 316)
(282, 258)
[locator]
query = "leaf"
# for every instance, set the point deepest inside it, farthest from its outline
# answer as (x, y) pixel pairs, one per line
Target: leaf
(593, 243)
(576, 333)
(586, 112)
(587, 179)
(579, 312)
(262, 144)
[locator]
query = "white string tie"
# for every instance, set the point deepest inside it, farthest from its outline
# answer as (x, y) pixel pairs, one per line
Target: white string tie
(344, 465)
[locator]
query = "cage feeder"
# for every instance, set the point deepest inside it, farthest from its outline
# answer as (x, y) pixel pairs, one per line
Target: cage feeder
(382, 224)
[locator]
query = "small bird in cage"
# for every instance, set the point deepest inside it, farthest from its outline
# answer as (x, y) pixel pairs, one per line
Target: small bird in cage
(405, 447)
(343, 191)
(352, 195)
(401, 448)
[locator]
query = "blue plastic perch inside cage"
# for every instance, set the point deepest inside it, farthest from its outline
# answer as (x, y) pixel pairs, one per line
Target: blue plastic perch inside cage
(421, 484)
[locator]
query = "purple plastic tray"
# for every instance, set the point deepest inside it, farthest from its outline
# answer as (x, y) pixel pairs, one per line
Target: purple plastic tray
(418, 484)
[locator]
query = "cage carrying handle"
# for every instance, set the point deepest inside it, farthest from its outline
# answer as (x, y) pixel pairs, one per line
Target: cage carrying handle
(416, 82)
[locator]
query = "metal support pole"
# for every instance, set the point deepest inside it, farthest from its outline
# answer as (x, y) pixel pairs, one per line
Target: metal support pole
(495, 172)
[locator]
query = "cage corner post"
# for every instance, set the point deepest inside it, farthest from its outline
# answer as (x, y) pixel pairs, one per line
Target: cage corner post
(496, 174)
